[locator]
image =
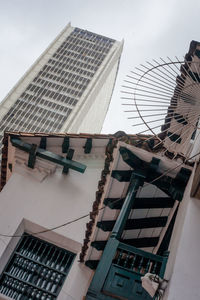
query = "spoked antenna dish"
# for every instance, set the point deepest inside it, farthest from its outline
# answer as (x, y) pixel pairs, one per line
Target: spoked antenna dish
(162, 98)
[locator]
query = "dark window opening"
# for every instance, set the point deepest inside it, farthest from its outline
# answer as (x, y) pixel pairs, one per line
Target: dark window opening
(36, 270)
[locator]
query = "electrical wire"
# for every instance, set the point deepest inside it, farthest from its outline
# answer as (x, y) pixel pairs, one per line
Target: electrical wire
(96, 211)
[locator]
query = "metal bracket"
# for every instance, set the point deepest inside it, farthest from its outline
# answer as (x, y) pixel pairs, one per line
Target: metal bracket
(69, 156)
(65, 144)
(88, 146)
(32, 156)
(43, 142)
(50, 156)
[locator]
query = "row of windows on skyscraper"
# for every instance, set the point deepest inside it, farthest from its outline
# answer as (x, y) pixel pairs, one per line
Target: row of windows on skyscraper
(72, 68)
(49, 99)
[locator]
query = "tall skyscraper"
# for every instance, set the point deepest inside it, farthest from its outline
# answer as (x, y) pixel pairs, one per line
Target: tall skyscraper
(69, 87)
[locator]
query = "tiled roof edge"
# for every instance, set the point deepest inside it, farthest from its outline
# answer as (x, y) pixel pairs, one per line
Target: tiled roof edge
(96, 204)
(4, 161)
(42, 134)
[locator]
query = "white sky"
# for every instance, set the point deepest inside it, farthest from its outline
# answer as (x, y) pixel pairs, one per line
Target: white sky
(150, 28)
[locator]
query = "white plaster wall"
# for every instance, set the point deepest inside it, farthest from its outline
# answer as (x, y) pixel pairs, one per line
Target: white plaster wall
(56, 200)
(196, 145)
(184, 260)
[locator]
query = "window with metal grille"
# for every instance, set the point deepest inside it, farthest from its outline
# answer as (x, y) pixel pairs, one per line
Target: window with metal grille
(36, 270)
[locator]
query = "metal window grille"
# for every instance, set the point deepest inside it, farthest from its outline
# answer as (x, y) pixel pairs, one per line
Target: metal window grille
(36, 270)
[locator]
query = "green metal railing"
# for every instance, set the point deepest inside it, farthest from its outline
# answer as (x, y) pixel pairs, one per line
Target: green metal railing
(139, 261)
(128, 266)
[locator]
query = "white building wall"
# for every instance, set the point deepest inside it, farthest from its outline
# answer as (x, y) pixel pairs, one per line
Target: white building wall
(183, 264)
(29, 204)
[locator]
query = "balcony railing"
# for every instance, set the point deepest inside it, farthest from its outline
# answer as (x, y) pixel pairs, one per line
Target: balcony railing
(128, 266)
(139, 261)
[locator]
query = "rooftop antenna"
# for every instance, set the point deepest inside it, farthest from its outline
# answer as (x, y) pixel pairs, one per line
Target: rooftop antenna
(162, 99)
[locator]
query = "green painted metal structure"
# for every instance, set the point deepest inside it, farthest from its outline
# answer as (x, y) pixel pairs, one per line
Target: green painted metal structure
(118, 273)
(35, 151)
(104, 267)
(65, 144)
(88, 146)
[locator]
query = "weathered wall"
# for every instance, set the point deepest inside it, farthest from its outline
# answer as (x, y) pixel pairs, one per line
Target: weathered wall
(29, 204)
(184, 264)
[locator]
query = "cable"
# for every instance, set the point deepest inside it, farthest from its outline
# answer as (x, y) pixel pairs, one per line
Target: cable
(87, 215)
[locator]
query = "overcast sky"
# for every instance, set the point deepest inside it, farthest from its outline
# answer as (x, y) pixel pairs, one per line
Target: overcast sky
(150, 29)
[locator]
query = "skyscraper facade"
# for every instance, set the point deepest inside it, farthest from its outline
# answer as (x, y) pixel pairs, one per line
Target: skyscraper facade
(68, 89)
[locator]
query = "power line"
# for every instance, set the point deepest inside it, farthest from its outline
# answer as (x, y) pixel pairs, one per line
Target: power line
(87, 215)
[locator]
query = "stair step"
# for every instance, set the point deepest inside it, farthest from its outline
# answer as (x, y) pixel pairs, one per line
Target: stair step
(139, 203)
(135, 223)
(138, 242)
(92, 264)
(142, 242)
(122, 175)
